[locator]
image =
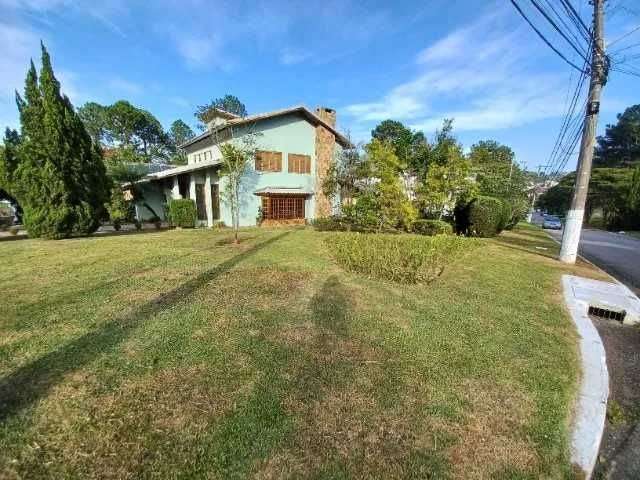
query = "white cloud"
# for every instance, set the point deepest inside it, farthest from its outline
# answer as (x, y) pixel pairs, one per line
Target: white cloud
(127, 87)
(199, 50)
(483, 75)
(291, 56)
(180, 101)
(108, 13)
(17, 46)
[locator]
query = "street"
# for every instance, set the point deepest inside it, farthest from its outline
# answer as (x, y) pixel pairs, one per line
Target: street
(615, 253)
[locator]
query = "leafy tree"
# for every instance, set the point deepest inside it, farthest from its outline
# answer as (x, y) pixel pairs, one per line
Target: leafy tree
(448, 178)
(497, 175)
(411, 148)
(123, 122)
(151, 134)
(236, 157)
(383, 203)
(613, 191)
(54, 171)
(94, 117)
(228, 103)
(346, 174)
(399, 136)
(179, 133)
(620, 145)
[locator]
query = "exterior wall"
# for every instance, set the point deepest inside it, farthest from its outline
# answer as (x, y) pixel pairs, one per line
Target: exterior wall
(154, 196)
(287, 134)
(204, 150)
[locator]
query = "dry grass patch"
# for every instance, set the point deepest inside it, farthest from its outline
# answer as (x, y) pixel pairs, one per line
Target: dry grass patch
(492, 437)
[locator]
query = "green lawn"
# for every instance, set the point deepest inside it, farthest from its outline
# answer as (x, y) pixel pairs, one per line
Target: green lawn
(176, 354)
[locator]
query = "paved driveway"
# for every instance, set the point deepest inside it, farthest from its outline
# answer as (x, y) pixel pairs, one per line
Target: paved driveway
(615, 253)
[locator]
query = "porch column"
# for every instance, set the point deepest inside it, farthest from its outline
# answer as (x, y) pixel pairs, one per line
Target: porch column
(207, 197)
(175, 190)
(192, 187)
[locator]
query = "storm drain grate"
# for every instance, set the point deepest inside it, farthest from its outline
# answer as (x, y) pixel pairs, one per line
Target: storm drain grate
(607, 314)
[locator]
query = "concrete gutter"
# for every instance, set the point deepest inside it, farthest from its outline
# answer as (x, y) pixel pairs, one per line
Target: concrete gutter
(591, 404)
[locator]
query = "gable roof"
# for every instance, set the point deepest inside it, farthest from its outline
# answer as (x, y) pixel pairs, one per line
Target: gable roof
(304, 111)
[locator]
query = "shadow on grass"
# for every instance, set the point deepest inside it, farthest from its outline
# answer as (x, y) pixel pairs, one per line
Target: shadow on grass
(32, 381)
(259, 423)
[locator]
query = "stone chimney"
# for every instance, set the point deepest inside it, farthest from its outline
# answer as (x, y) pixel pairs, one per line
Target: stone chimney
(325, 148)
(327, 114)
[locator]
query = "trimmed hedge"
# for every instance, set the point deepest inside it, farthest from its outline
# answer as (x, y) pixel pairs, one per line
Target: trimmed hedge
(432, 227)
(400, 258)
(486, 216)
(182, 212)
(507, 214)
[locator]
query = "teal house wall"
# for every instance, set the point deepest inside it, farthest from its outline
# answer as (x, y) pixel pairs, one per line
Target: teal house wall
(290, 131)
(288, 134)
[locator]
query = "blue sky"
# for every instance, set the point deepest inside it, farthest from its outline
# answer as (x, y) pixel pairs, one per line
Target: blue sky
(418, 62)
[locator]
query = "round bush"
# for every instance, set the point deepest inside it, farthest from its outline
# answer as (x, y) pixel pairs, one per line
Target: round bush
(486, 216)
(432, 227)
(182, 213)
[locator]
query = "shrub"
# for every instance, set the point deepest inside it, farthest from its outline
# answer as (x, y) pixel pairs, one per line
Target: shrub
(117, 208)
(400, 258)
(486, 215)
(505, 218)
(520, 209)
(364, 215)
(182, 213)
(461, 217)
(335, 223)
(432, 227)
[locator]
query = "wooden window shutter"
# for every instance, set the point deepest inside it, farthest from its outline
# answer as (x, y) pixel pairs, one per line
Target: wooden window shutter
(269, 161)
(299, 163)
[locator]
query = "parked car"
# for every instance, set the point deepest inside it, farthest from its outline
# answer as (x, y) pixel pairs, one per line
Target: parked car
(552, 222)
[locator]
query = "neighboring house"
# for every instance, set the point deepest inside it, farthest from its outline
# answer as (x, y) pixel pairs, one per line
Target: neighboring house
(295, 150)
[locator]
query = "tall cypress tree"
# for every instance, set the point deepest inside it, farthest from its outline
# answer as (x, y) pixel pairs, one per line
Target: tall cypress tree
(59, 177)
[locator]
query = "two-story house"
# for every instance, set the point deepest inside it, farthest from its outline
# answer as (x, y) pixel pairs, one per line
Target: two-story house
(295, 150)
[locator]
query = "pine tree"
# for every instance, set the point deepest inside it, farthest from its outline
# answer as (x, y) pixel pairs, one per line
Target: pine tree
(59, 177)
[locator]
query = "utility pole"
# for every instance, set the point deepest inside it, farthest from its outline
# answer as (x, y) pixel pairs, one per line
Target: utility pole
(533, 195)
(575, 216)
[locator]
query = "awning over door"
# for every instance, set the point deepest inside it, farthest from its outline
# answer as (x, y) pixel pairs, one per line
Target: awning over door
(282, 191)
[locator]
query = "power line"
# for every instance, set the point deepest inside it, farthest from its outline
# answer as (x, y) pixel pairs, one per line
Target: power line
(544, 39)
(566, 25)
(558, 29)
(624, 36)
(627, 71)
(626, 48)
(573, 14)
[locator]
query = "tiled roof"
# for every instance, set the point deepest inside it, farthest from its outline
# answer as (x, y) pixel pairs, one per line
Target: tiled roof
(311, 117)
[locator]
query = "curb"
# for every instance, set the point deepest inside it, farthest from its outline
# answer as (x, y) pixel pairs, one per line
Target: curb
(591, 405)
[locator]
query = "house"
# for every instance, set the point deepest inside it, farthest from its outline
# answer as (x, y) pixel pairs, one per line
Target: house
(295, 150)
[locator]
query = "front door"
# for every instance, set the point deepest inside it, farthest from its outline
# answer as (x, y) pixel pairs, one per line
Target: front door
(200, 205)
(215, 201)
